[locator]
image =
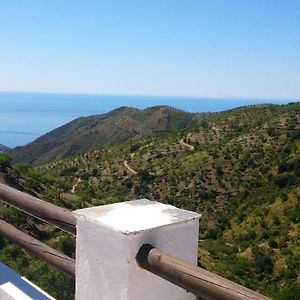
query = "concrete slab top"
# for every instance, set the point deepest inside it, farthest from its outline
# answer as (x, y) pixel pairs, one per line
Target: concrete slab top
(137, 215)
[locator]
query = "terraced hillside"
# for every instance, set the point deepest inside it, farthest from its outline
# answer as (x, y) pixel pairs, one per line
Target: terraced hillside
(239, 169)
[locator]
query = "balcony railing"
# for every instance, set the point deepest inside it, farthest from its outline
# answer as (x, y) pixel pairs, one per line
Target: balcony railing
(196, 280)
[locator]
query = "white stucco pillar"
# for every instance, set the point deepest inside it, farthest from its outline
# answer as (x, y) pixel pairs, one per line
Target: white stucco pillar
(108, 239)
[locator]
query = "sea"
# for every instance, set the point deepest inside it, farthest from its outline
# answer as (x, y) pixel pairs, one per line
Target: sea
(26, 116)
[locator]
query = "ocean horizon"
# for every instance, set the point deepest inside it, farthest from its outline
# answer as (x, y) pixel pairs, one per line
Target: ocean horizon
(26, 116)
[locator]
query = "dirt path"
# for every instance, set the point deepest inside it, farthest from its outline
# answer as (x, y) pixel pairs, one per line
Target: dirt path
(185, 144)
(129, 168)
(74, 186)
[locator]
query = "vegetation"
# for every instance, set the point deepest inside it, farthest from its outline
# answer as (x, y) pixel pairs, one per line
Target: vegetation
(5, 160)
(242, 174)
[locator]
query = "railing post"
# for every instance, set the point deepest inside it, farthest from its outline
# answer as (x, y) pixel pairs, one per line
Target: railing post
(109, 238)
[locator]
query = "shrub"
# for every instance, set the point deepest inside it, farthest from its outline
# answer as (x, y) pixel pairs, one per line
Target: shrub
(21, 169)
(218, 168)
(263, 262)
(284, 167)
(295, 135)
(282, 180)
(68, 171)
(129, 184)
(271, 131)
(145, 176)
(272, 243)
(5, 161)
(134, 148)
(212, 233)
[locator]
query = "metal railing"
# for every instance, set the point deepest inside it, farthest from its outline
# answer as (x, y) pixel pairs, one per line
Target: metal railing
(198, 281)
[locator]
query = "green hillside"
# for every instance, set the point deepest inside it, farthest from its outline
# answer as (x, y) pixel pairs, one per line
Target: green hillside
(87, 133)
(240, 169)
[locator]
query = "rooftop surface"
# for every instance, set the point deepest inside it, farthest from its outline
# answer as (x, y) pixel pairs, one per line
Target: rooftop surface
(13, 286)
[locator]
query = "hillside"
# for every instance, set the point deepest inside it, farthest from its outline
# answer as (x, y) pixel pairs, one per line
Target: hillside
(239, 169)
(4, 148)
(87, 133)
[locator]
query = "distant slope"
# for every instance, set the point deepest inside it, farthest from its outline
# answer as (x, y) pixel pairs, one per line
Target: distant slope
(87, 133)
(242, 175)
(4, 148)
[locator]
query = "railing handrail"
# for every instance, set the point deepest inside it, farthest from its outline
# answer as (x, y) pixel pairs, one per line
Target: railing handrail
(47, 212)
(198, 281)
(39, 249)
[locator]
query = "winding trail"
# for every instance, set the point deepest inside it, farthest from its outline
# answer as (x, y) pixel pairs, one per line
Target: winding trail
(129, 168)
(132, 171)
(185, 144)
(75, 185)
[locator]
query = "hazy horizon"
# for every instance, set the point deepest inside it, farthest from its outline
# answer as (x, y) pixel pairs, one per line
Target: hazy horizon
(297, 99)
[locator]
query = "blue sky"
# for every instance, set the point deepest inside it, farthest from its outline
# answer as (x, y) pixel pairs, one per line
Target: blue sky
(225, 48)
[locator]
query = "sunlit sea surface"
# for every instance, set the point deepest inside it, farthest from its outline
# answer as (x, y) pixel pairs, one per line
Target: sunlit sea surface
(26, 116)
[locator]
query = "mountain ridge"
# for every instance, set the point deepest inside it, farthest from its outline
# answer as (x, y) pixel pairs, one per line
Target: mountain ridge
(118, 125)
(4, 148)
